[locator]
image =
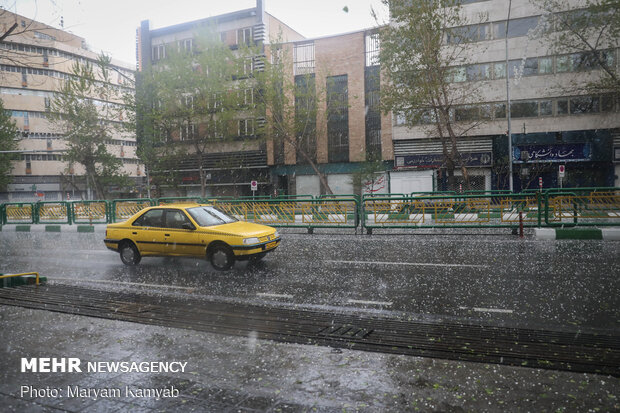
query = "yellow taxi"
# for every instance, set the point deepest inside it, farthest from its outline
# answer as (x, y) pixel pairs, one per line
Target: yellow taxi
(190, 230)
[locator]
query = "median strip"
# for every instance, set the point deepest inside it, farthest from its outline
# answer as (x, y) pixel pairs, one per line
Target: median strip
(607, 234)
(365, 302)
(420, 264)
(271, 295)
(488, 310)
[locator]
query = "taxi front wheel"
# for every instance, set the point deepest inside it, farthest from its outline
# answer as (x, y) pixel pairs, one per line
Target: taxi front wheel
(221, 257)
(129, 254)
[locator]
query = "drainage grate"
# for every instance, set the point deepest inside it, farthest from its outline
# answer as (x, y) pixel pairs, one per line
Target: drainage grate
(345, 331)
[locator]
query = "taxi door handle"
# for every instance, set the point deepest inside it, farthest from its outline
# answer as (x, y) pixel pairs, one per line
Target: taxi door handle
(167, 235)
(134, 233)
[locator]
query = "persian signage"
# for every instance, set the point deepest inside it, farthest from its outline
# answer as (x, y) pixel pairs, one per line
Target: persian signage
(436, 160)
(570, 152)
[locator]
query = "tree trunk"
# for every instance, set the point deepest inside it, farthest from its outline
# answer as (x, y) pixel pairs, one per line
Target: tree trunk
(315, 169)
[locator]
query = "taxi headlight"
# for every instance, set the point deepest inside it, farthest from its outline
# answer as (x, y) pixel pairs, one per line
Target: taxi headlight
(276, 235)
(249, 241)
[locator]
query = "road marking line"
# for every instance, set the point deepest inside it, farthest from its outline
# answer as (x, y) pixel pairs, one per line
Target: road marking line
(370, 302)
(274, 295)
(428, 264)
(488, 310)
(121, 282)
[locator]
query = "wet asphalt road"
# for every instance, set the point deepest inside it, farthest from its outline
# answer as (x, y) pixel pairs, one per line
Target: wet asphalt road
(489, 279)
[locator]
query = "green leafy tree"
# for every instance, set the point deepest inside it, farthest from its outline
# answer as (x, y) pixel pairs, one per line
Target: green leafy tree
(195, 100)
(589, 34)
(83, 109)
(419, 49)
(370, 176)
(8, 142)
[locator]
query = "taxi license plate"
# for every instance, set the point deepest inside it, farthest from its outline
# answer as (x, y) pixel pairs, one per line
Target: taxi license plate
(270, 245)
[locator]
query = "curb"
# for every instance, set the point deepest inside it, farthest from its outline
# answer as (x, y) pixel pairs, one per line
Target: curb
(83, 229)
(606, 234)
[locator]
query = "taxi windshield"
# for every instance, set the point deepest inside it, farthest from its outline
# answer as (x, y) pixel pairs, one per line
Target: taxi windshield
(206, 216)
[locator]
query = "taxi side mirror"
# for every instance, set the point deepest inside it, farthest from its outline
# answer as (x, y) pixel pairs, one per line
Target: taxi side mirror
(187, 225)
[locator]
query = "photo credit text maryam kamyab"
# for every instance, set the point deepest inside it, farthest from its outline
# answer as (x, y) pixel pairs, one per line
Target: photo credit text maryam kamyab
(75, 365)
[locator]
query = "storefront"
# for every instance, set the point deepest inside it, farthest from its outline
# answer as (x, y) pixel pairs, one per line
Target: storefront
(420, 166)
(564, 159)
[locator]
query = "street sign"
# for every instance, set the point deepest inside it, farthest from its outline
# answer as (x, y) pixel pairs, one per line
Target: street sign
(253, 185)
(561, 171)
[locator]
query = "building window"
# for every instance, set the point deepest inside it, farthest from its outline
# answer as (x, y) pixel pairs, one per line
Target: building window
(305, 117)
(478, 72)
(244, 36)
(584, 104)
(44, 36)
(188, 102)
(516, 27)
(399, 119)
(372, 49)
(546, 108)
(466, 113)
(159, 52)
(373, 111)
(499, 70)
(245, 127)
(248, 97)
(186, 45)
(303, 58)
(188, 132)
(467, 34)
(338, 118)
(520, 68)
(562, 107)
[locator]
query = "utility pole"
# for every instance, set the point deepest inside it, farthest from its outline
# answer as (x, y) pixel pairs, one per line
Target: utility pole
(510, 183)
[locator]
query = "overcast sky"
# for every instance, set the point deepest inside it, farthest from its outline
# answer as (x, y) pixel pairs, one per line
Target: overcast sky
(110, 25)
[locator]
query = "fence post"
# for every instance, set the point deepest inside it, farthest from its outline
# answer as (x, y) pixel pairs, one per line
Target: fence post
(539, 202)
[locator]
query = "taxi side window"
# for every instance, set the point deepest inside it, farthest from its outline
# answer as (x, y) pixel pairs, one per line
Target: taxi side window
(175, 219)
(152, 218)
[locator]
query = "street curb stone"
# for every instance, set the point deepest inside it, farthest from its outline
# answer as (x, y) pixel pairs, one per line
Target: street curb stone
(606, 234)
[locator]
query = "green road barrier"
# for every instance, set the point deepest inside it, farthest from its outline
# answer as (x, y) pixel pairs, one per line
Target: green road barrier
(296, 213)
(89, 212)
(596, 206)
(19, 213)
(123, 209)
(178, 200)
(582, 207)
(449, 211)
(52, 212)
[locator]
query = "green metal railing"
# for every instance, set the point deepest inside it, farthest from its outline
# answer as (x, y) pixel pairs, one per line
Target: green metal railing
(122, 209)
(300, 213)
(464, 211)
(582, 208)
(90, 212)
(18, 213)
(52, 213)
(473, 209)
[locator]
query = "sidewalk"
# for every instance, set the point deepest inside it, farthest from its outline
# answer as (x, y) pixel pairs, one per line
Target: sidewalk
(225, 373)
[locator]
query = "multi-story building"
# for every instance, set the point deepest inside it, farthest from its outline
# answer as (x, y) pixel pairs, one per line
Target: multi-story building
(349, 124)
(349, 127)
(35, 60)
(246, 155)
(555, 121)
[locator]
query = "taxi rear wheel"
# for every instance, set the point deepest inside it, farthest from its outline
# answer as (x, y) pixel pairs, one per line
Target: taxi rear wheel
(129, 253)
(221, 257)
